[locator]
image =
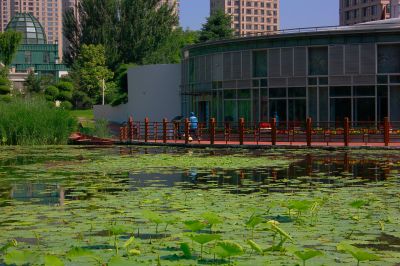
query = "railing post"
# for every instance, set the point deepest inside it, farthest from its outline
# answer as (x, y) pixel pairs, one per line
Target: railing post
(241, 131)
(131, 133)
(273, 131)
(125, 133)
(212, 131)
(164, 130)
(121, 134)
(386, 131)
(346, 128)
(308, 131)
(146, 129)
(187, 131)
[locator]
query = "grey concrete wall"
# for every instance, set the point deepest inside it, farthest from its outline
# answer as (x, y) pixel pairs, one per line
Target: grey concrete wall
(153, 92)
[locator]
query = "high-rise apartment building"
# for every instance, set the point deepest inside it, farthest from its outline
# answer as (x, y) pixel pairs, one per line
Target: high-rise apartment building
(358, 11)
(250, 17)
(172, 3)
(395, 8)
(48, 12)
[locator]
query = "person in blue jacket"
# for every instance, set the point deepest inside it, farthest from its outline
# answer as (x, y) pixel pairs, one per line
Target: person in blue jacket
(193, 126)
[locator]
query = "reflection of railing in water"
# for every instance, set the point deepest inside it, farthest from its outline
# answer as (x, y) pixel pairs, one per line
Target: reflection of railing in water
(309, 133)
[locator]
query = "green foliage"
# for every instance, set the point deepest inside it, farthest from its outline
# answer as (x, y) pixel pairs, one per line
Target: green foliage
(253, 221)
(33, 121)
(90, 70)
(9, 43)
(203, 239)
(170, 52)
(218, 26)
(254, 246)
(38, 84)
(17, 257)
(100, 129)
(50, 260)
(359, 254)
(195, 225)
(186, 250)
(227, 249)
(4, 86)
(121, 82)
(359, 203)
(51, 93)
(129, 30)
(307, 254)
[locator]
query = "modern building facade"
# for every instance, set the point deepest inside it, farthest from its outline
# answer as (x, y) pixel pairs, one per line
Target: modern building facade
(34, 53)
(329, 74)
(359, 11)
(250, 17)
(48, 12)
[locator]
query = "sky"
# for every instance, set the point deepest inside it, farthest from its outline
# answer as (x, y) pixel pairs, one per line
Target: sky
(294, 13)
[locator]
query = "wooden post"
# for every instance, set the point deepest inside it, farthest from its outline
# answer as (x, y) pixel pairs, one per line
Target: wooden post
(131, 133)
(146, 129)
(187, 131)
(212, 131)
(346, 134)
(125, 133)
(164, 131)
(308, 131)
(241, 131)
(273, 131)
(386, 131)
(121, 134)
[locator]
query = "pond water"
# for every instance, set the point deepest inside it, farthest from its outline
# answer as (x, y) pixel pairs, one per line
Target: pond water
(76, 205)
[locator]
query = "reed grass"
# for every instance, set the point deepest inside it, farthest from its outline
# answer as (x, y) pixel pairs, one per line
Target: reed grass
(34, 121)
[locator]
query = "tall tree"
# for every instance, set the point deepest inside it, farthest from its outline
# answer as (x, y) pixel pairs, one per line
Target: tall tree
(90, 70)
(218, 26)
(9, 43)
(170, 52)
(128, 29)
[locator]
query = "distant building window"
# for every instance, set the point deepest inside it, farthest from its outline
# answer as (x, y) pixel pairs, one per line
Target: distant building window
(318, 61)
(46, 57)
(388, 58)
(374, 10)
(28, 57)
(260, 63)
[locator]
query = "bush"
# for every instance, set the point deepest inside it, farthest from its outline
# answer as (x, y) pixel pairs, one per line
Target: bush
(65, 86)
(33, 121)
(52, 91)
(64, 96)
(4, 86)
(66, 105)
(100, 129)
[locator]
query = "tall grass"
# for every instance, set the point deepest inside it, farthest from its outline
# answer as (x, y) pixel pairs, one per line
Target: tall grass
(34, 121)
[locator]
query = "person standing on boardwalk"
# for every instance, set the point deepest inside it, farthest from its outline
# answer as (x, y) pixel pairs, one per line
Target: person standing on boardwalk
(193, 126)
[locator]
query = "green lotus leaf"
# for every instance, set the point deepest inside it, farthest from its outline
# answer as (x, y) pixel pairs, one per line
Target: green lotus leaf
(18, 257)
(204, 238)
(212, 218)
(357, 253)
(194, 225)
(186, 250)
(50, 260)
(254, 246)
(227, 249)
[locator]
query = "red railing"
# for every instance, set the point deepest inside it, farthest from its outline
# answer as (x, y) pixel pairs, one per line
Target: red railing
(309, 133)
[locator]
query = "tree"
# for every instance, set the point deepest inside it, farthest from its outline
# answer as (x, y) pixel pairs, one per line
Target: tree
(128, 29)
(218, 26)
(38, 84)
(90, 70)
(9, 43)
(170, 52)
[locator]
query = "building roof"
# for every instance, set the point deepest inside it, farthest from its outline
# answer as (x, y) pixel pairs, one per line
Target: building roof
(388, 25)
(31, 29)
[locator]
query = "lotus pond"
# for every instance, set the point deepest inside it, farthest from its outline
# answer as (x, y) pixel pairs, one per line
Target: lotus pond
(63, 205)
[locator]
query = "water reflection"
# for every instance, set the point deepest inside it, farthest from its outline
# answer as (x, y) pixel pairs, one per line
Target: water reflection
(315, 170)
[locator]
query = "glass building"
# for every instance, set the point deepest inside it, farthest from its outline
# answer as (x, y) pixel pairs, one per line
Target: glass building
(324, 73)
(34, 51)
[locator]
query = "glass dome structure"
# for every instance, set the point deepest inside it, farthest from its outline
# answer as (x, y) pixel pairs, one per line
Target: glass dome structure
(31, 29)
